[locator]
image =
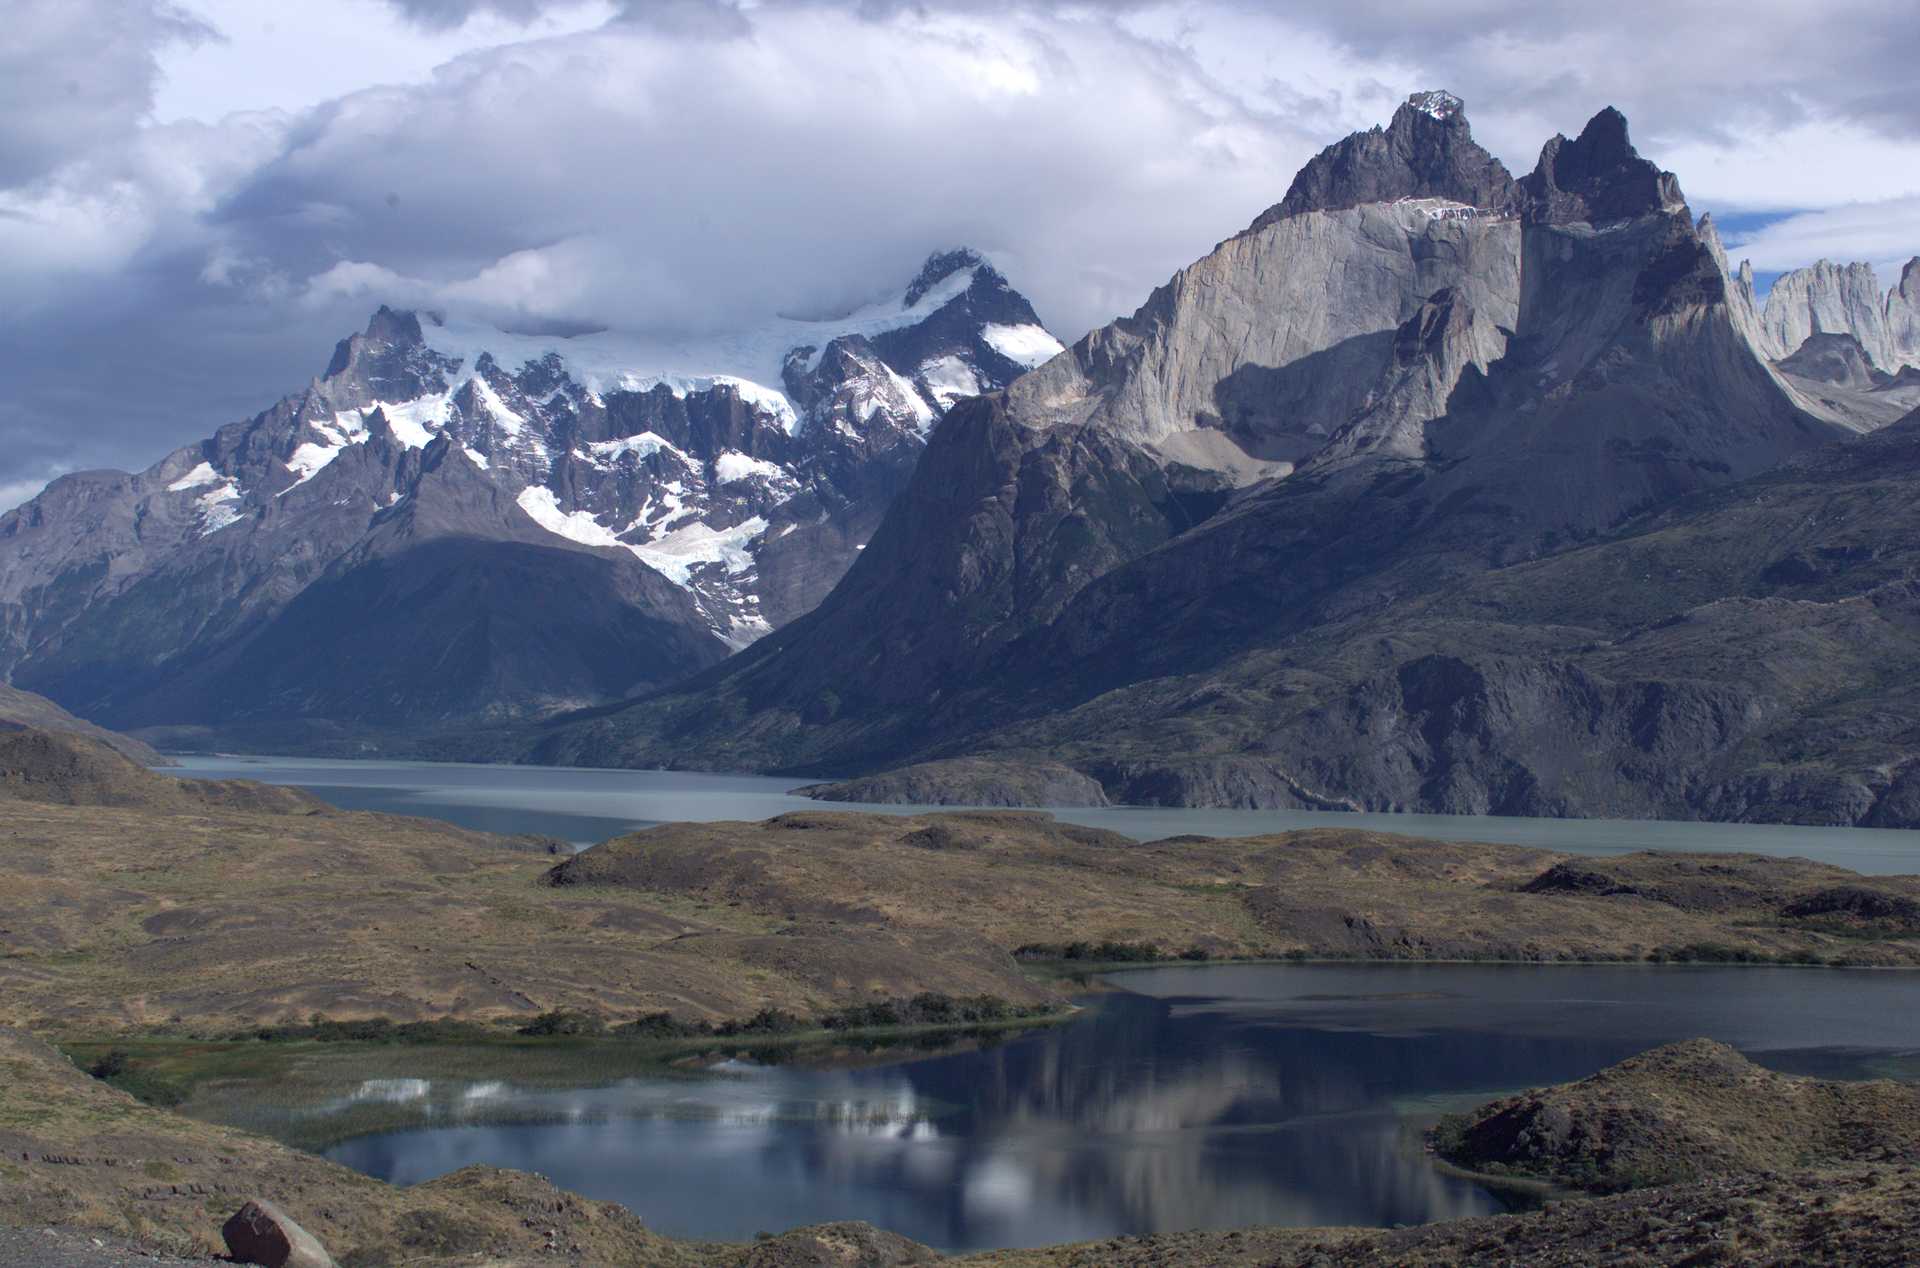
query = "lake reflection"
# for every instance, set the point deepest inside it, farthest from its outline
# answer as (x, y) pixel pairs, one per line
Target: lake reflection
(1199, 1098)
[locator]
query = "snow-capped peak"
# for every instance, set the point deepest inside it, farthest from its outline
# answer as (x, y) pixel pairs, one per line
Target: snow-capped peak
(1437, 104)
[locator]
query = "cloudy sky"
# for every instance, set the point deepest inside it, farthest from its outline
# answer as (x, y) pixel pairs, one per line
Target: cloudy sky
(197, 197)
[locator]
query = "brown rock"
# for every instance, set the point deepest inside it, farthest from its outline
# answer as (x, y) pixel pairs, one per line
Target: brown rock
(262, 1233)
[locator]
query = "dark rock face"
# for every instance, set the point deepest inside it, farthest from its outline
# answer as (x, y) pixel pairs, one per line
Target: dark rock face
(452, 523)
(1427, 151)
(1597, 177)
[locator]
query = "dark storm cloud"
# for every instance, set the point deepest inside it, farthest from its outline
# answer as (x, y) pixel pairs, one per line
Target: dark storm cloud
(74, 75)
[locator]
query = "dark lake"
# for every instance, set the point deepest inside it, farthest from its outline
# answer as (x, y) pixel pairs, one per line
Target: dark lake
(1190, 1098)
(586, 806)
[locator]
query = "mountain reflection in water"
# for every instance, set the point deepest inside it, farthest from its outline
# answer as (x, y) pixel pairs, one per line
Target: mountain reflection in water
(1200, 1098)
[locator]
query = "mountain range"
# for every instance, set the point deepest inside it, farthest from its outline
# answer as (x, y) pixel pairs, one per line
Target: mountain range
(455, 522)
(1435, 489)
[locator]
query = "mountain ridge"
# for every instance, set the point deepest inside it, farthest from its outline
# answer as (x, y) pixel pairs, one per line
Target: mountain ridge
(584, 517)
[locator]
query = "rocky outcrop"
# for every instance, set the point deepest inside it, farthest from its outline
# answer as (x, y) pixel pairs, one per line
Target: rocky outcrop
(1683, 1113)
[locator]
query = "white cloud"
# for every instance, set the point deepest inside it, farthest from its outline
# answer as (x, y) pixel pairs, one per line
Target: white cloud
(339, 47)
(1880, 233)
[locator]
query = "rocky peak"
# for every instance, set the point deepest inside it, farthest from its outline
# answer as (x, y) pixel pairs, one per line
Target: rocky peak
(940, 266)
(1598, 177)
(387, 329)
(1436, 103)
(1427, 151)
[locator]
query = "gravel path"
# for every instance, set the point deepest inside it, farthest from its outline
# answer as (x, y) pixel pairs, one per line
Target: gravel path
(59, 1248)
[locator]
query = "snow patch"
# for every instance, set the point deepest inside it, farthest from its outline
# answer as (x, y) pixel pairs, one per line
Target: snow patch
(1027, 345)
(576, 526)
(644, 445)
(678, 553)
(307, 462)
(743, 631)
(218, 507)
(732, 467)
(949, 379)
(478, 459)
(202, 474)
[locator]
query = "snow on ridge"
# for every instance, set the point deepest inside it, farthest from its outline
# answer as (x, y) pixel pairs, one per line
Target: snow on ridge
(202, 474)
(413, 423)
(503, 417)
(307, 462)
(1027, 345)
(749, 361)
(644, 444)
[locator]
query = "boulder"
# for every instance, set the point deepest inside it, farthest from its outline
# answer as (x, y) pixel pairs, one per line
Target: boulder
(262, 1233)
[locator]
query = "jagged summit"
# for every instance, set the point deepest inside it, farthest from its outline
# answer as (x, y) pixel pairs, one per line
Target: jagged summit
(1597, 177)
(1427, 151)
(940, 266)
(1436, 103)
